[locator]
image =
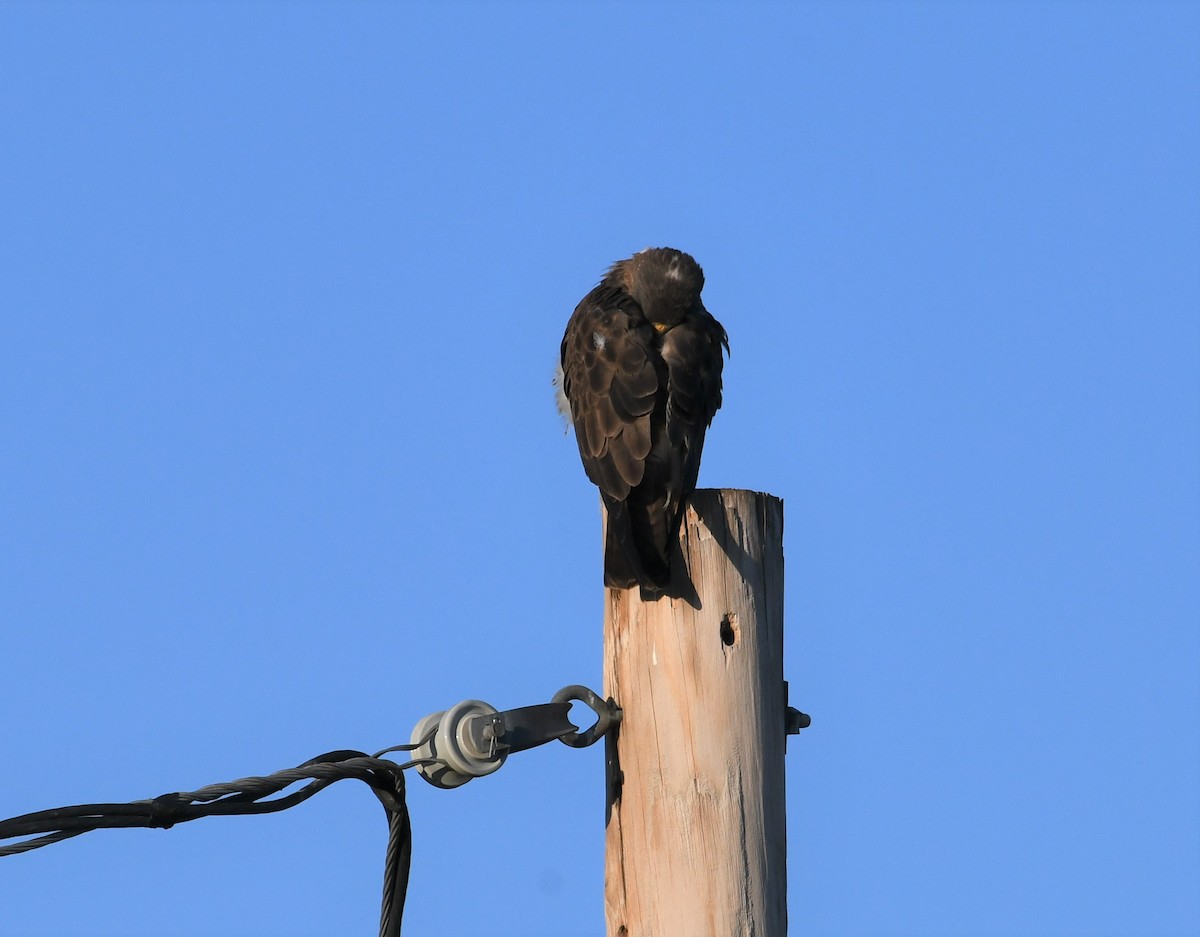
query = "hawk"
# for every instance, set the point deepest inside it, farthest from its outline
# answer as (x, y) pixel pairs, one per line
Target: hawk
(641, 375)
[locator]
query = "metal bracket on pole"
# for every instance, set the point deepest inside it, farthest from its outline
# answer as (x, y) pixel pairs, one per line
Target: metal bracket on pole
(793, 719)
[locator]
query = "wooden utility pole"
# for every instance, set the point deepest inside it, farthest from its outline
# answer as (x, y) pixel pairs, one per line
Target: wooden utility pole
(695, 843)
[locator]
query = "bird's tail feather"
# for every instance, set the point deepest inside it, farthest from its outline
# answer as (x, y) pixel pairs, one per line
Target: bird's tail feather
(631, 557)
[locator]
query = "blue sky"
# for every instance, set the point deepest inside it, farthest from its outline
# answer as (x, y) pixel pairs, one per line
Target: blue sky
(281, 294)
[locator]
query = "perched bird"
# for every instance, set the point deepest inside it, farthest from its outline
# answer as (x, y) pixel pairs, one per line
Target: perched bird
(641, 376)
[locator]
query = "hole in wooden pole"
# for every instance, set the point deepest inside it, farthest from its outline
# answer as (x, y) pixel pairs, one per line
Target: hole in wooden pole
(728, 630)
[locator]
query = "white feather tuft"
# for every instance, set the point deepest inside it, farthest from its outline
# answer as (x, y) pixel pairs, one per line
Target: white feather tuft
(560, 396)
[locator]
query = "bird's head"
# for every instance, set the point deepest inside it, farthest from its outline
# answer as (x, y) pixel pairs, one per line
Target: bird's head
(665, 282)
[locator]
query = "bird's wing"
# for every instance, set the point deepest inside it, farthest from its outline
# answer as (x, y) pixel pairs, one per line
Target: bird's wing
(612, 379)
(692, 352)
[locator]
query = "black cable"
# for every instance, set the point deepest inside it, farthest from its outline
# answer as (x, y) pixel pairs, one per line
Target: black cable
(232, 798)
(244, 797)
(396, 864)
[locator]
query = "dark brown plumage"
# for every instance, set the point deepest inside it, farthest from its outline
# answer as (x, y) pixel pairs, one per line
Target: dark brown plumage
(641, 373)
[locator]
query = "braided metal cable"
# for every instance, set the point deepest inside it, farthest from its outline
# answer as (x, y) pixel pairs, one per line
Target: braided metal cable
(243, 797)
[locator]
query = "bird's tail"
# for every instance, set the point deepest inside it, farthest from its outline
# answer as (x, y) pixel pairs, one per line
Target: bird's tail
(631, 555)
